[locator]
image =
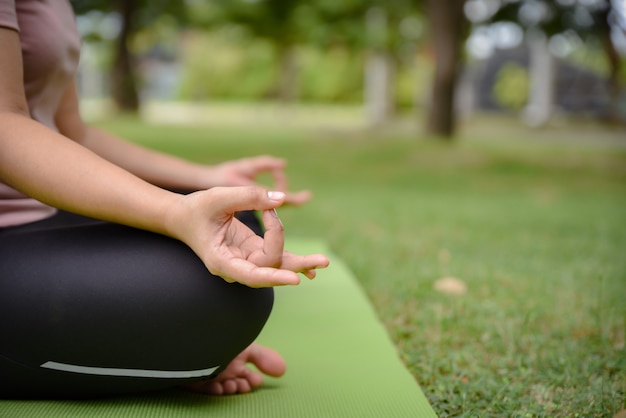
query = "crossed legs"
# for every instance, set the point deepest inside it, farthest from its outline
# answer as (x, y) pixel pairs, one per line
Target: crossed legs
(89, 308)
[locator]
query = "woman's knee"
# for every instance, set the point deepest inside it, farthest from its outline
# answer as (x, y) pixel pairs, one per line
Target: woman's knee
(147, 304)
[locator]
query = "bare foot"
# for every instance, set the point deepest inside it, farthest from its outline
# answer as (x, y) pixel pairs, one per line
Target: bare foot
(237, 377)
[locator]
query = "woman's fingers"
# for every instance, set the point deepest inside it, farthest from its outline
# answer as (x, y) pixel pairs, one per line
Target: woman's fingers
(249, 274)
(273, 254)
(235, 253)
(249, 168)
(266, 163)
(253, 166)
(273, 240)
(305, 264)
(228, 200)
(280, 179)
(298, 198)
(277, 166)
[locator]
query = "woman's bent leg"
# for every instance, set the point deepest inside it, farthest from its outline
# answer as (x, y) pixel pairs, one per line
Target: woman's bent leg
(100, 308)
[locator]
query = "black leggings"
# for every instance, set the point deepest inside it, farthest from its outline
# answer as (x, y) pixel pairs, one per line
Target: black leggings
(90, 308)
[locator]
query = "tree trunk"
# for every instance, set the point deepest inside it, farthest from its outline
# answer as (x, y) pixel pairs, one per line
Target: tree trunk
(541, 89)
(615, 64)
(379, 70)
(287, 75)
(124, 85)
(378, 87)
(447, 31)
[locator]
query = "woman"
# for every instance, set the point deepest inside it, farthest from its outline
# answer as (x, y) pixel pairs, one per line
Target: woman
(109, 282)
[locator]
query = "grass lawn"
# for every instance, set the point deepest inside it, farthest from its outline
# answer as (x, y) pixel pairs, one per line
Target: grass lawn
(534, 223)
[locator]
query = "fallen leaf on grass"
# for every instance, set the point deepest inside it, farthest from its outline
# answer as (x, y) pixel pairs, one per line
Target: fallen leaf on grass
(450, 286)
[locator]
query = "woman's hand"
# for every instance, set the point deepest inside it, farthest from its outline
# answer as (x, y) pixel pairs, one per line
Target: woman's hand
(205, 221)
(244, 172)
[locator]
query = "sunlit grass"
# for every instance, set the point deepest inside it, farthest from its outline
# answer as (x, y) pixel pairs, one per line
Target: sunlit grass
(533, 224)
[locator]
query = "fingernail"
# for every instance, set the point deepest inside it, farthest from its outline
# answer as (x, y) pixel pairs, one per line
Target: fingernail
(276, 195)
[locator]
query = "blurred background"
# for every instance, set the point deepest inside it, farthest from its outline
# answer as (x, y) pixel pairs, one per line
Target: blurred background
(468, 160)
(437, 61)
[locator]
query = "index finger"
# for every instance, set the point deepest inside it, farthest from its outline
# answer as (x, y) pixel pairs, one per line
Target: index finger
(273, 239)
(280, 179)
(262, 163)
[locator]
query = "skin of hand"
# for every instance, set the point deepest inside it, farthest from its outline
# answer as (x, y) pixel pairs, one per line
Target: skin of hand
(205, 221)
(244, 172)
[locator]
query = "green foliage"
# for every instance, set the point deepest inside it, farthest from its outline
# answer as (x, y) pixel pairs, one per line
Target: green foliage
(345, 22)
(228, 64)
(147, 11)
(214, 68)
(413, 81)
(334, 75)
(235, 49)
(511, 87)
(273, 20)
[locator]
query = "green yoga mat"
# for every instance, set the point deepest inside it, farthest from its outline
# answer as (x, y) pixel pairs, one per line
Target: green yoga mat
(341, 363)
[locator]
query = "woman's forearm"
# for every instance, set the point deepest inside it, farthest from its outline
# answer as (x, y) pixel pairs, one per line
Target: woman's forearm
(57, 171)
(152, 166)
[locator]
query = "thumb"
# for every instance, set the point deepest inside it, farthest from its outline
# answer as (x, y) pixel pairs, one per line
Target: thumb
(235, 199)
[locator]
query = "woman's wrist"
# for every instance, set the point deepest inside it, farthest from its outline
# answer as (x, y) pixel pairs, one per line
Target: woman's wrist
(175, 214)
(204, 177)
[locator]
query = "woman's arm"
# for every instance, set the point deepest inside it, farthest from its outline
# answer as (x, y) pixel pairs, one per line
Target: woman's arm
(155, 167)
(47, 166)
(165, 170)
(62, 173)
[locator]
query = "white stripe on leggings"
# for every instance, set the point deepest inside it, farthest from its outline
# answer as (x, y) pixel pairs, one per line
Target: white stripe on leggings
(106, 371)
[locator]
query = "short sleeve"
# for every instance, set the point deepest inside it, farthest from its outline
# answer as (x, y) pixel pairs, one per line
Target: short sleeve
(8, 15)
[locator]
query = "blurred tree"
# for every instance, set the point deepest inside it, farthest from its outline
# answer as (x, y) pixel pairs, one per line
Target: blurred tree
(278, 21)
(589, 20)
(383, 29)
(134, 16)
(351, 24)
(448, 30)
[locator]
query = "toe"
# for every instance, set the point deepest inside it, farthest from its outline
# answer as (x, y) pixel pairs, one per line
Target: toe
(243, 386)
(230, 386)
(215, 388)
(267, 360)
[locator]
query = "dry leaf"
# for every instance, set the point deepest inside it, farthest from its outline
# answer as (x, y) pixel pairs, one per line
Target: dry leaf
(450, 286)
